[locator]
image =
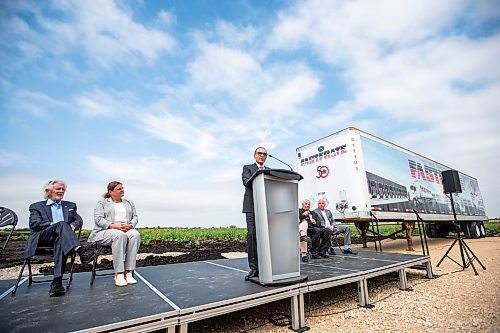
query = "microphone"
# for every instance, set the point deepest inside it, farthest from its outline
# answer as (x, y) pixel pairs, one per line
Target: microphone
(281, 161)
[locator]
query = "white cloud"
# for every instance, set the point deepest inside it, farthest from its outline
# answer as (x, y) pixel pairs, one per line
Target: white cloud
(8, 158)
(35, 103)
(180, 131)
(144, 169)
(166, 17)
(218, 70)
(340, 31)
(107, 33)
(110, 35)
(234, 36)
(106, 103)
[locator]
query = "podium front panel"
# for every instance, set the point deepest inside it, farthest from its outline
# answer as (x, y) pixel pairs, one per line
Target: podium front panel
(283, 217)
(277, 227)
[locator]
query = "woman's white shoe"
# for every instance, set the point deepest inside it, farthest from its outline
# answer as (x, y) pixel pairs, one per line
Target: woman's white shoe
(120, 280)
(129, 278)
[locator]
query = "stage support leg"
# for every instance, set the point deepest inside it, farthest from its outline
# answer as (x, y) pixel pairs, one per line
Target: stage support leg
(363, 294)
(171, 329)
(403, 282)
(298, 314)
(428, 266)
(183, 328)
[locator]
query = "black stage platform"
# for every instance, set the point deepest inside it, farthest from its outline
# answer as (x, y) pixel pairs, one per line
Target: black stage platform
(177, 294)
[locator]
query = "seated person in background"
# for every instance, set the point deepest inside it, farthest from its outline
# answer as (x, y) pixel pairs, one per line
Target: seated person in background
(53, 223)
(115, 219)
(305, 241)
(325, 218)
(320, 235)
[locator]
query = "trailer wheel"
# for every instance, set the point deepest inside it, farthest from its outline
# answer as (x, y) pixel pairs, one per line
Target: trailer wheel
(474, 231)
(464, 228)
(482, 229)
(430, 230)
(442, 233)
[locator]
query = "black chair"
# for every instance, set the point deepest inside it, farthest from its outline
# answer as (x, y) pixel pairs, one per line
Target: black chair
(98, 249)
(7, 218)
(334, 242)
(46, 249)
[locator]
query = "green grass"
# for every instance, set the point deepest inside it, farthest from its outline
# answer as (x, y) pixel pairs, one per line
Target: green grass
(197, 235)
(192, 235)
(492, 227)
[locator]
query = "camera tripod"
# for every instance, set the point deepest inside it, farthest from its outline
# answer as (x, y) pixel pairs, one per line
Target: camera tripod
(464, 248)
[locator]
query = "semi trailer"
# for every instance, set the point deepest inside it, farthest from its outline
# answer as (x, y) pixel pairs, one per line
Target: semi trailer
(364, 177)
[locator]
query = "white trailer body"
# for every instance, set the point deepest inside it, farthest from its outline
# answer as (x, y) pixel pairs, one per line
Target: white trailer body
(359, 173)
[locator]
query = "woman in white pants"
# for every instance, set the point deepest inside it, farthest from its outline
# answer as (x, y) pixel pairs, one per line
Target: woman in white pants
(115, 219)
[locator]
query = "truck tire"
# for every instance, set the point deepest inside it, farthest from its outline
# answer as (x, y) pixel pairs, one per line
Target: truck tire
(431, 231)
(474, 231)
(464, 228)
(442, 232)
(482, 229)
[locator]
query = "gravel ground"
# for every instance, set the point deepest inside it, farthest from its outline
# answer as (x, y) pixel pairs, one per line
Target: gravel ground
(455, 301)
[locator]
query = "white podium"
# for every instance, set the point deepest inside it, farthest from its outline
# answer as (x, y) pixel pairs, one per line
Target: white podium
(275, 195)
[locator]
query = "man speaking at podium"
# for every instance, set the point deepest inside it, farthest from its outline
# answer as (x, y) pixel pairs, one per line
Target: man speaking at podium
(260, 156)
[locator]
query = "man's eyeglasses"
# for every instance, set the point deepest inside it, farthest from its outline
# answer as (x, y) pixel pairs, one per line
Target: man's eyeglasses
(261, 153)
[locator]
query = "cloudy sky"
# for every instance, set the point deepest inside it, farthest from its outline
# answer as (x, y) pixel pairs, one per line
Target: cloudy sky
(171, 97)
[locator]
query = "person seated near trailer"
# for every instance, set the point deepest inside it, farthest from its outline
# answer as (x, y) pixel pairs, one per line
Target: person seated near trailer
(305, 241)
(324, 217)
(115, 220)
(53, 223)
(320, 236)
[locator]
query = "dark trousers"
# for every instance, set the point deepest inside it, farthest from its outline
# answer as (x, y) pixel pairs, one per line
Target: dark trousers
(320, 239)
(253, 262)
(63, 239)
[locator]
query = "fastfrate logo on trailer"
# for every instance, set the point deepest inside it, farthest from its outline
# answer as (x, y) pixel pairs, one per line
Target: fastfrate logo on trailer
(322, 154)
(322, 171)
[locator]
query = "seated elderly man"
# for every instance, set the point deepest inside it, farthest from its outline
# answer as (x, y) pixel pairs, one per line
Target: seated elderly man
(53, 223)
(325, 218)
(320, 235)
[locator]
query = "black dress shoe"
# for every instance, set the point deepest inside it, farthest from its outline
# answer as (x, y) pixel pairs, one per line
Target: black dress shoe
(324, 255)
(349, 251)
(56, 289)
(253, 273)
(305, 258)
(86, 255)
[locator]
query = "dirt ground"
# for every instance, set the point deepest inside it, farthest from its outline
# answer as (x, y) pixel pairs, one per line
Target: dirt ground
(155, 253)
(455, 301)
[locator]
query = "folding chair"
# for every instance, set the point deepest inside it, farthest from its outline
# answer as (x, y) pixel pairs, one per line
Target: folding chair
(7, 218)
(334, 242)
(98, 248)
(30, 273)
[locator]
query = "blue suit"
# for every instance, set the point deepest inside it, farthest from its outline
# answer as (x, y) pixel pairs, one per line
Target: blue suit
(60, 235)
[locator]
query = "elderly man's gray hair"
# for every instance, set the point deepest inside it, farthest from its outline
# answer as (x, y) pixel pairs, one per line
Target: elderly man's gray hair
(50, 185)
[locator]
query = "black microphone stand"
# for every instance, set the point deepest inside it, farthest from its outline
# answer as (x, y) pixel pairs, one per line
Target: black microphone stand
(464, 248)
(281, 161)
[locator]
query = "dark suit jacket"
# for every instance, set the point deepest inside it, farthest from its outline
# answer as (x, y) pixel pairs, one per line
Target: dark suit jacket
(248, 171)
(312, 215)
(41, 218)
(321, 220)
